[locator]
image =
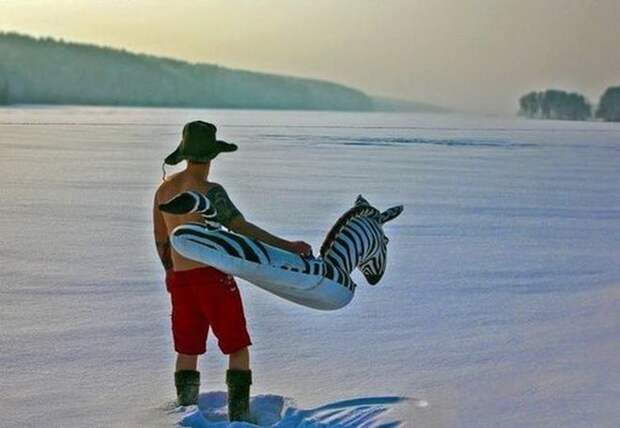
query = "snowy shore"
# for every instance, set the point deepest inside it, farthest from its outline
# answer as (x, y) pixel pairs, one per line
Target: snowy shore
(499, 306)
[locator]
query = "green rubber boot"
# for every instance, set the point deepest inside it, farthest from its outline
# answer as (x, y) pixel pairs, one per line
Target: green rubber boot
(188, 386)
(239, 382)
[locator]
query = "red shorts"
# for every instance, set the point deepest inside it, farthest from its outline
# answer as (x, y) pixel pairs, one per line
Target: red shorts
(202, 298)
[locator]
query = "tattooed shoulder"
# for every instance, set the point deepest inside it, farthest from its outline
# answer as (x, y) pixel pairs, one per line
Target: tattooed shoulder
(226, 210)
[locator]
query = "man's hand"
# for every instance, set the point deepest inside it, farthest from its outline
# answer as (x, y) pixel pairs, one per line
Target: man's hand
(302, 248)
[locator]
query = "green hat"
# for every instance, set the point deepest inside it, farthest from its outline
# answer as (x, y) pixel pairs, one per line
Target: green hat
(199, 144)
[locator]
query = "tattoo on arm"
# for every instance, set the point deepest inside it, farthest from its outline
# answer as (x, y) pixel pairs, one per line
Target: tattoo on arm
(226, 210)
(165, 255)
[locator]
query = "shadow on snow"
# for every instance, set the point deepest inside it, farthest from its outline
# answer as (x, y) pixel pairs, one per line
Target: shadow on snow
(279, 412)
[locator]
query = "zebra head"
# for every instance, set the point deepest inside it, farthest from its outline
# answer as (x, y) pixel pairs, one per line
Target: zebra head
(373, 265)
(357, 240)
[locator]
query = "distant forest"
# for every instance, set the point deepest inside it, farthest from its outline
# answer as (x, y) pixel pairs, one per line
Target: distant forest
(556, 104)
(49, 71)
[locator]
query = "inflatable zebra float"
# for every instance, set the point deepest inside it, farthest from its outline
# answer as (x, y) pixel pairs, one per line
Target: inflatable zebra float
(356, 240)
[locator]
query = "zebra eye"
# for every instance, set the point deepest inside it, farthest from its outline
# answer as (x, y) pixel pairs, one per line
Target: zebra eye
(385, 240)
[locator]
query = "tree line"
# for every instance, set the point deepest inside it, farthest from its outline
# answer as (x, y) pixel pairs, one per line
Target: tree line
(49, 71)
(556, 104)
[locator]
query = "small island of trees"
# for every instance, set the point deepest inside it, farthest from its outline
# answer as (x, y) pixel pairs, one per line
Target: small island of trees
(554, 104)
(609, 107)
(562, 105)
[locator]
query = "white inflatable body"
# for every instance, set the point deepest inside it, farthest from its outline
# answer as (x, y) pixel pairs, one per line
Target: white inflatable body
(280, 272)
(356, 240)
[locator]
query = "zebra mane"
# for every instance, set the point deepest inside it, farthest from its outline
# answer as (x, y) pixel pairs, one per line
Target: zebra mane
(363, 210)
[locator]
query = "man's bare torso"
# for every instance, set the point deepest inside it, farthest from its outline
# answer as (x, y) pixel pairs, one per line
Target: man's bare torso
(173, 185)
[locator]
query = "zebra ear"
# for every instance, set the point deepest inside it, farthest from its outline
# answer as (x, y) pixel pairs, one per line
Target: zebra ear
(361, 201)
(390, 214)
(183, 203)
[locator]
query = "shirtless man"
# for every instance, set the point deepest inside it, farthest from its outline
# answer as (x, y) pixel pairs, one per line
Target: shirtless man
(203, 297)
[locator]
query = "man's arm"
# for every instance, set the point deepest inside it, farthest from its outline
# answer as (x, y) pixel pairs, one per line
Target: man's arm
(244, 227)
(162, 241)
(231, 217)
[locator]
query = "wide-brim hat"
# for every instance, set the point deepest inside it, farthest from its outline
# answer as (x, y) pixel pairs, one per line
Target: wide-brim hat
(199, 144)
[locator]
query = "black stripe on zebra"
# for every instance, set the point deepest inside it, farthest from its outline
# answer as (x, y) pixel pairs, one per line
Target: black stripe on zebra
(375, 238)
(344, 279)
(347, 282)
(347, 247)
(362, 226)
(329, 271)
(330, 258)
(204, 244)
(210, 213)
(354, 248)
(354, 231)
(262, 248)
(221, 242)
(248, 252)
(306, 266)
(340, 276)
(202, 202)
(377, 230)
(337, 256)
(356, 245)
(316, 268)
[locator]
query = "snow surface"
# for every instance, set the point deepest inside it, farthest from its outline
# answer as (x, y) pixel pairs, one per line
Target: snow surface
(499, 307)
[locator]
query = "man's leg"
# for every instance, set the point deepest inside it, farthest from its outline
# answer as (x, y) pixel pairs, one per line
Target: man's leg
(228, 322)
(189, 332)
(186, 362)
(239, 360)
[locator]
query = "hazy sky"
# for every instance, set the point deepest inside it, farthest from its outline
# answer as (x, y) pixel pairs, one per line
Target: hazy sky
(469, 54)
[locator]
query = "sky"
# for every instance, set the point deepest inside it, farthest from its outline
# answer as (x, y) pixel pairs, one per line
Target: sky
(475, 55)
